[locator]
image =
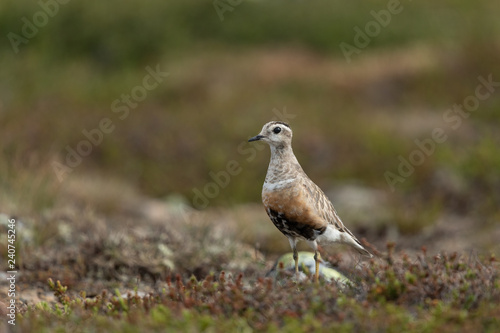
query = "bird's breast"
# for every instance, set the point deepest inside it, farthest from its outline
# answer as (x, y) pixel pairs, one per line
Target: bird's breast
(282, 195)
(289, 202)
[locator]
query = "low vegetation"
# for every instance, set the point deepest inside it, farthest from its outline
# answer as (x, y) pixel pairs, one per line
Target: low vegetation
(393, 294)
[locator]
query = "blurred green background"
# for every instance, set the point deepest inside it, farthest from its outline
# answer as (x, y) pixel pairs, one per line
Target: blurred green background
(351, 120)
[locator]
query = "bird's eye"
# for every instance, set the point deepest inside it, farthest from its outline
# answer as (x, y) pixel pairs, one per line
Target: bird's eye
(276, 130)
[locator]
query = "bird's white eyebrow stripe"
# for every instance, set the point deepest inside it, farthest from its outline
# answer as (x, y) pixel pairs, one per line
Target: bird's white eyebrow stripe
(280, 123)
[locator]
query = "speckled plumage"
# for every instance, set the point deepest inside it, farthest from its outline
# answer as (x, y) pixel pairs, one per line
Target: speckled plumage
(294, 203)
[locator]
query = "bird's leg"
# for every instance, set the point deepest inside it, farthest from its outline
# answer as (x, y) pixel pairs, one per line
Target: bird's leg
(293, 245)
(296, 258)
(317, 258)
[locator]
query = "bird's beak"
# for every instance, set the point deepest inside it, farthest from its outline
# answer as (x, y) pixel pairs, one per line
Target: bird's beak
(256, 138)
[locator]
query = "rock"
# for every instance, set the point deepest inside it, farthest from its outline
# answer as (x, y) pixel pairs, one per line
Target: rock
(306, 264)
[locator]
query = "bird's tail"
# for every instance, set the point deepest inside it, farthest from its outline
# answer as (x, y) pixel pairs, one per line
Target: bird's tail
(355, 243)
(345, 237)
(350, 239)
(362, 250)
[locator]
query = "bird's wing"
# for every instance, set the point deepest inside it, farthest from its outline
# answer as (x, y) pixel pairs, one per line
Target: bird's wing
(324, 207)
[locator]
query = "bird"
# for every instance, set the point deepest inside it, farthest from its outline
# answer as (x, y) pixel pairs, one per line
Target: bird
(294, 203)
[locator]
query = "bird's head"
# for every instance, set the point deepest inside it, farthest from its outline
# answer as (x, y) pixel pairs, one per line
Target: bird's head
(276, 133)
